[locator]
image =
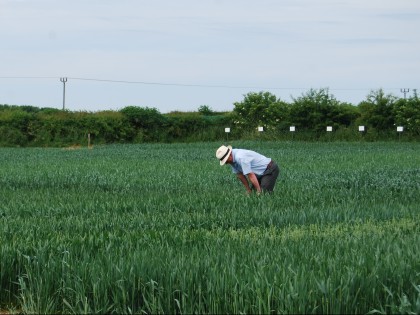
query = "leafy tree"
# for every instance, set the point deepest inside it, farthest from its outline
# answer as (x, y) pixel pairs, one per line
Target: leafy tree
(345, 114)
(205, 110)
(259, 109)
(143, 117)
(278, 117)
(377, 111)
(147, 121)
(315, 110)
(407, 113)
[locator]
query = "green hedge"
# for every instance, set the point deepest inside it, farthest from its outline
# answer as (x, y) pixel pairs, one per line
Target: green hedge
(29, 126)
(25, 126)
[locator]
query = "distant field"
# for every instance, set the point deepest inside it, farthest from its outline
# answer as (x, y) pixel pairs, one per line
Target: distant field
(162, 228)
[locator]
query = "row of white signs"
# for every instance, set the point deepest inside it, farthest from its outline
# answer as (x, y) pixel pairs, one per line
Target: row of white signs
(329, 128)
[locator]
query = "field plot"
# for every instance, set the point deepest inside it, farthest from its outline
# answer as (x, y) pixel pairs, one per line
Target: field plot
(162, 228)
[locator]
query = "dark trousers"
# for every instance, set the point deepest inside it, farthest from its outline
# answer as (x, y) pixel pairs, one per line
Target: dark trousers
(268, 179)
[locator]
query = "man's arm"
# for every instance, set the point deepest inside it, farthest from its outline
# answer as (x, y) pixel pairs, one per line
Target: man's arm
(244, 181)
(254, 181)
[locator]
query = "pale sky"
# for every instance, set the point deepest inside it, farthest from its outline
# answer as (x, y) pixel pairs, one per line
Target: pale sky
(179, 55)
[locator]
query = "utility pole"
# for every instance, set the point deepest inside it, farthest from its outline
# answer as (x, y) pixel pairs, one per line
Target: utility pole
(405, 91)
(64, 80)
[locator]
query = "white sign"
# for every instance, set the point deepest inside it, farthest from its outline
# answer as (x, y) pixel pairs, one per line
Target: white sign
(329, 128)
(260, 128)
(400, 128)
(227, 129)
(292, 128)
(361, 128)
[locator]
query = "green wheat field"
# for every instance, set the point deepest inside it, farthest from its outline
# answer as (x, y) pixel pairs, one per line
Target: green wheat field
(163, 228)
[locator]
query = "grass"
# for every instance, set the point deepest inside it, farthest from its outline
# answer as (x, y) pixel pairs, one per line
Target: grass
(162, 228)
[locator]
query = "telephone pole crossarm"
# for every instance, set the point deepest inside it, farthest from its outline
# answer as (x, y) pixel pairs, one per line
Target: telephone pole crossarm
(64, 80)
(405, 91)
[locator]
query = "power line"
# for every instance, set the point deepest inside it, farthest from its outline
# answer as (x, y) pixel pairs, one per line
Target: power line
(160, 83)
(189, 85)
(28, 77)
(168, 84)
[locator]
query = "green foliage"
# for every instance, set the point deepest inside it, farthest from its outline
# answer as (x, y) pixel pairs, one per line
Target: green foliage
(143, 117)
(28, 108)
(377, 111)
(10, 135)
(317, 109)
(407, 113)
(107, 127)
(310, 113)
(205, 110)
(14, 126)
(260, 109)
(162, 228)
(49, 127)
(147, 122)
(190, 126)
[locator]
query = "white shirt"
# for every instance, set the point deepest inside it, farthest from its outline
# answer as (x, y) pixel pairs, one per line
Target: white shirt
(247, 161)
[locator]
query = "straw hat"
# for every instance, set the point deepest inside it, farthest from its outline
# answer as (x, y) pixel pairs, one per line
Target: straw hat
(223, 153)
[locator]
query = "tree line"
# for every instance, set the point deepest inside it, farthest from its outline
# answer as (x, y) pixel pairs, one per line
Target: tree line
(310, 113)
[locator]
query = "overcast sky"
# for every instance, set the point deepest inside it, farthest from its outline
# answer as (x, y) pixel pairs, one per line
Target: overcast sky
(178, 55)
